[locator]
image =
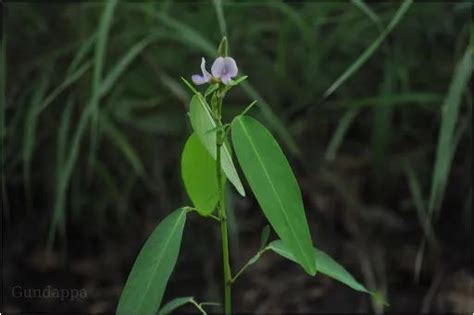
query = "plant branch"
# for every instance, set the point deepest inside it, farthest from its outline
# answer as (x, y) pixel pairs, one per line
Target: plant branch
(250, 262)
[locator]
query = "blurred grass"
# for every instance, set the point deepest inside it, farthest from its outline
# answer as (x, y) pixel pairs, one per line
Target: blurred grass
(112, 69)
(370, 50)
(447, 142)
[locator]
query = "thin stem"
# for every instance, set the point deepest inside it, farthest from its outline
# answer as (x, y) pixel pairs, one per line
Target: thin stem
(223, 216)
(250, 262)
(198, 306)
(215, 217)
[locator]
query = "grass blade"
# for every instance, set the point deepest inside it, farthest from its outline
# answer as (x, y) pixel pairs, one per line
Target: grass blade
(220, 16)
(369, 12)
(446, 140)
(84, 49)
(63, 132)
(123, 64)
(3, 71)
(420, 204)
(382, 118)
(122, 143)
(64, 176)
(70, 79)
(371, 49)
(272, 119)
(29, 136)
(99, 60)
(340, 133)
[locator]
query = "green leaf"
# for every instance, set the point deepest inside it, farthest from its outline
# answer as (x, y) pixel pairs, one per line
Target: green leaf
(122, 65)
(147, 281)
(340, 133)
(202, 122)
(99, 63)
(29, 136)
(238, 80)
(198, 170)
(175, 304)
(275, 187)
(446, 147)
(223, 28)
(264, 236)
(123, 144)
(325, 265)
(210, 89)
(369, 51)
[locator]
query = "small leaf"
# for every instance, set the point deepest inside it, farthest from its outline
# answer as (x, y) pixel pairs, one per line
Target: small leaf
(202, 122)
(147, 281)
(198, 170)
(325, 264)
(174, 304)
(238, 80)
(223, 46)
(264, 236)
(210, 89)
(275, 187)
(254, 259)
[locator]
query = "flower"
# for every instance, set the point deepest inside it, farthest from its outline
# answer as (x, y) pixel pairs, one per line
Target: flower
(223, 70)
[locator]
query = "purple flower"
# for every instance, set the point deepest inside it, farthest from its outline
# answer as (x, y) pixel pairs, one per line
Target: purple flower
(223, 70)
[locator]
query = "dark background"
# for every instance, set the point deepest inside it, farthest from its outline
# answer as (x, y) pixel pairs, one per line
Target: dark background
(365, 155)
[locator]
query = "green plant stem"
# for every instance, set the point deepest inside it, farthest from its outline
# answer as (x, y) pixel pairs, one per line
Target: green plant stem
(223, 217)
(198, 306)
(250, 262)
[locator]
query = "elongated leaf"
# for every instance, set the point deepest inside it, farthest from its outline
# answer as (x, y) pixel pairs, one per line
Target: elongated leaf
(340, 133)
(97, 77)
(371, 49)
(275, 187)
(325, 264)
(446, 144)
(63, 135)
(29, 136)
(220, 16)
(175, 304)
(64, 175)
(3, 104)
(85, 47)
(198, 170)
(123, 64)
(147, 281)
(122, 143)
(369, 12)
(202, 122)
(70, 79)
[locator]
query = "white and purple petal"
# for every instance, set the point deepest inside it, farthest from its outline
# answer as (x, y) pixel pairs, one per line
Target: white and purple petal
(224, 67)
(226, 79)
(205, 73)
(218, 67)
(231, 66)
(199, 79)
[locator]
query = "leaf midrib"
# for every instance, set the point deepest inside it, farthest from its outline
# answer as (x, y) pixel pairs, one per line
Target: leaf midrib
(244, 129)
